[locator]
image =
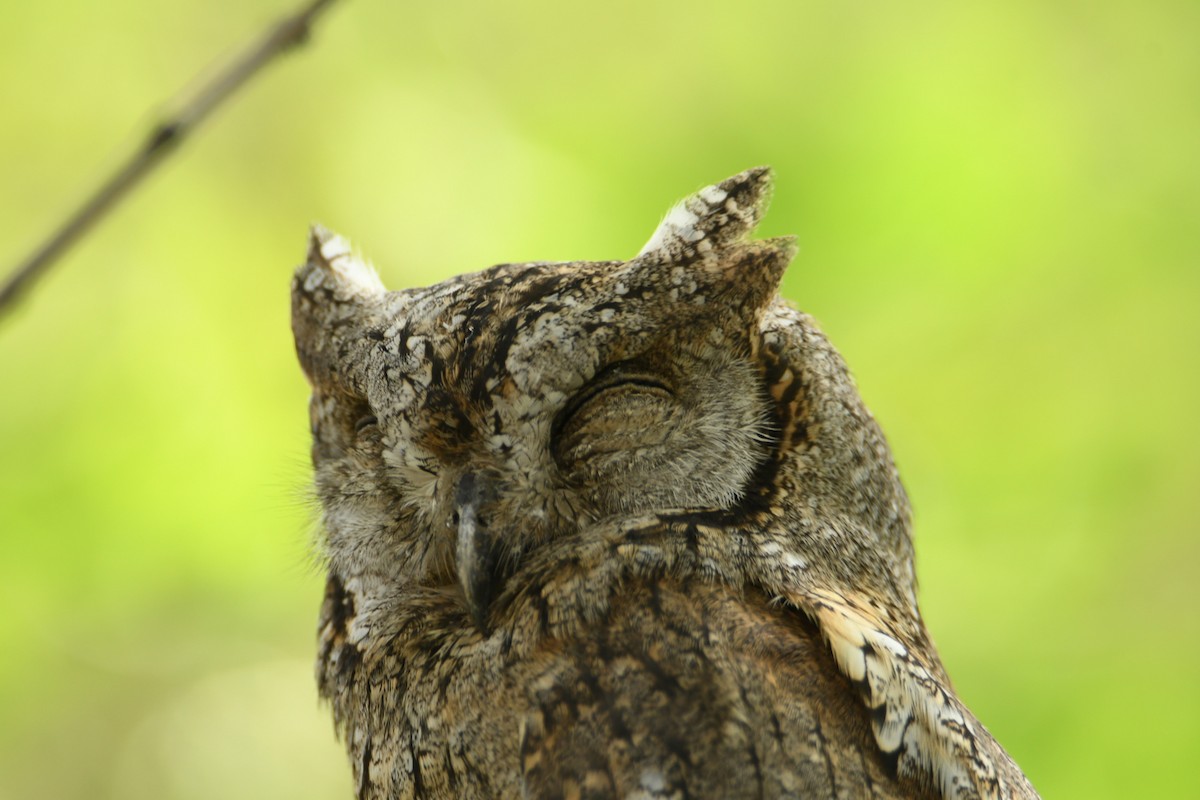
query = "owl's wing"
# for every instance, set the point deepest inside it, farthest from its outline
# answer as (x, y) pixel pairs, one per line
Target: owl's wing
(689, 689)
(918, 721)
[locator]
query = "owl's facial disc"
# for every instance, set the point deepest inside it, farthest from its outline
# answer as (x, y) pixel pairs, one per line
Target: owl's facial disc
(525, 403)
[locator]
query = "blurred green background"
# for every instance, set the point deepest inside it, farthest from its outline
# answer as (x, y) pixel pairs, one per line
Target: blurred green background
(999, 214)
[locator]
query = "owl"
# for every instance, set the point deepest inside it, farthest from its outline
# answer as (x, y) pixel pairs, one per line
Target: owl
(617, 529)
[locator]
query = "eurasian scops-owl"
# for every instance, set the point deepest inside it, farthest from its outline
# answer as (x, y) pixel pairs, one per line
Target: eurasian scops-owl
(617, 529)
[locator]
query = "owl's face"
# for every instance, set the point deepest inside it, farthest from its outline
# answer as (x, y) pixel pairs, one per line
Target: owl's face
(458, 427)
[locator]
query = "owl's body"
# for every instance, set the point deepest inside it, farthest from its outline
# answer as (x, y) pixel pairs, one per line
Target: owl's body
(618, 529)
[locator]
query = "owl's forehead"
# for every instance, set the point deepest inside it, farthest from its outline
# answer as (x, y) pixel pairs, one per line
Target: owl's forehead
(506, 295)
(544, 326)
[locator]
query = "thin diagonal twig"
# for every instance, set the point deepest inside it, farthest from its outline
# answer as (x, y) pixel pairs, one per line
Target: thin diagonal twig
(283, 35)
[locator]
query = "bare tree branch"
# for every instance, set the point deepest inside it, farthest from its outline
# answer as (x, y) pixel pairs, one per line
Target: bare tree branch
(288, 32)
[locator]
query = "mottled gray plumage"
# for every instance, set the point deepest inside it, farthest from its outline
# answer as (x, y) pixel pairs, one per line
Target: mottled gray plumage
(618, 529)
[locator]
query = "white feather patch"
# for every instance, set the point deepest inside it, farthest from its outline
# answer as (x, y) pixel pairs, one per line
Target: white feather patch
(679, 224)
(345, 265)
(915, 718)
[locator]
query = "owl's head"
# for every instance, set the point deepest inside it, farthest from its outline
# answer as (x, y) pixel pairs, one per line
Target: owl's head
(458, 427)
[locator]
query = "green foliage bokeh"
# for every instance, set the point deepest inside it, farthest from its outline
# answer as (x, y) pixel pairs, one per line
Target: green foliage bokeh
(997, 205)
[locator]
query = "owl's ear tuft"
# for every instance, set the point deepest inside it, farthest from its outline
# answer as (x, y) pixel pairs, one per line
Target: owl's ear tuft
(334, 297)
(713, 217)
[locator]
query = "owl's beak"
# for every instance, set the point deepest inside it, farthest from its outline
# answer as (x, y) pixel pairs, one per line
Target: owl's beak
(475, 552)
